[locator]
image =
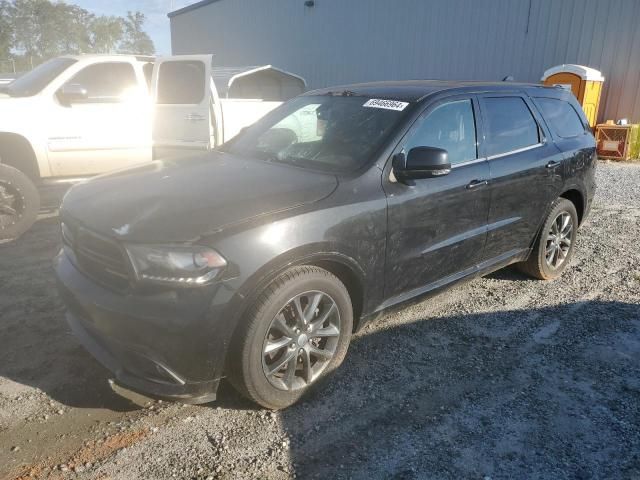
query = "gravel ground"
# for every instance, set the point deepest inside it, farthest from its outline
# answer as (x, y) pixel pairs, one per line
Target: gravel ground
(501, 377)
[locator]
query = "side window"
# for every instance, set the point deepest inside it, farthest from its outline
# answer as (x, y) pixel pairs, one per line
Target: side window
(509, 125)
(561, 117)
(450, 126)
(181, 82)
(106, 82)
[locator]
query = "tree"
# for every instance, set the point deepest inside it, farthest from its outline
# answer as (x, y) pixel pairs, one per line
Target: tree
(37, 30)
(106, 33)
(6, 29)
(135, 39)
(43, 29)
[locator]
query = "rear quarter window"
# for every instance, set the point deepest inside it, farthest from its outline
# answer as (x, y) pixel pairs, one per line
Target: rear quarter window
(509, 125)
(562, 118)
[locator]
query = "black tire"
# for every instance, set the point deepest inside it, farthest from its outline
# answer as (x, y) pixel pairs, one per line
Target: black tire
(19, 202)
(247, 370)
(537, 265)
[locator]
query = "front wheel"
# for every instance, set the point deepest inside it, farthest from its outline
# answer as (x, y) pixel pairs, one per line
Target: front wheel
(297, 332)
(19, 202)
(555, 244)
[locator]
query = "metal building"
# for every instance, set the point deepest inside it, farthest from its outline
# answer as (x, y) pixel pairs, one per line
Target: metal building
(329, 42)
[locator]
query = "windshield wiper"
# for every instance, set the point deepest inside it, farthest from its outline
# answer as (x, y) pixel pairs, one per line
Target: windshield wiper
(343, 93)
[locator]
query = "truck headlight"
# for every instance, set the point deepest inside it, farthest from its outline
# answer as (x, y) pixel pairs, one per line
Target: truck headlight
(169, 264)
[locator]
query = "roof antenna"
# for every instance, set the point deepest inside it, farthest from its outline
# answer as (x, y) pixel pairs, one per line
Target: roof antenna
(508, 78)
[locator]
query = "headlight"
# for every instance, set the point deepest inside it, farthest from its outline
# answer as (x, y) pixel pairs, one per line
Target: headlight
(188, 265)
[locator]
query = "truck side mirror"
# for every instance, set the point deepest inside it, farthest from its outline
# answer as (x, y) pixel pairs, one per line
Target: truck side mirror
(422, 162)
(72, 93)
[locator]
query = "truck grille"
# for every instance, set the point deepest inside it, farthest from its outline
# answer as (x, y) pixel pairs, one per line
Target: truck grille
(99, 257)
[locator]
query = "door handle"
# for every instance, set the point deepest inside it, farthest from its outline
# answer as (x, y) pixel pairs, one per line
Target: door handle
(477, 183)
(553, 164)
(194, 117)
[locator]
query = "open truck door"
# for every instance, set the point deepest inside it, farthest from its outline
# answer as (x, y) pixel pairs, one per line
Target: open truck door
(186, 106)
(198, 107)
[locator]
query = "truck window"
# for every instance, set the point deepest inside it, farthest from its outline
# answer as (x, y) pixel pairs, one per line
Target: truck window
(181, 82)
(106, 82)
(561, 117)
(509, 125)
(450, 126)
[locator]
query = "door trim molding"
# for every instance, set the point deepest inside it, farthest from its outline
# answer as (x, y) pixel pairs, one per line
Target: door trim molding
(480, 269)
(517, 150)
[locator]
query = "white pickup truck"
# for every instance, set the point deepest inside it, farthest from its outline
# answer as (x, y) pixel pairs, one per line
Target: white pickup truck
(77, 116)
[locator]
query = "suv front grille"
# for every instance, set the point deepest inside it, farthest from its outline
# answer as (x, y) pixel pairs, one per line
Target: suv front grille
(101, 259)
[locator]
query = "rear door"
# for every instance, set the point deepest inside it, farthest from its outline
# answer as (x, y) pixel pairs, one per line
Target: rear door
(184, 105)
(526, 172)
(572, 134)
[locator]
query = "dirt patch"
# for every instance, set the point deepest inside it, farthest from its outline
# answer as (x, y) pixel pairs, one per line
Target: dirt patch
(101, 449)
(93, 451)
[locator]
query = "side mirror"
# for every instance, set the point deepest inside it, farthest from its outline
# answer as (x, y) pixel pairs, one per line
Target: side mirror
(72, 92)
(421, 162)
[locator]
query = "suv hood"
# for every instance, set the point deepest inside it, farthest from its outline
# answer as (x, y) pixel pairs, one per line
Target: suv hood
(182, 200)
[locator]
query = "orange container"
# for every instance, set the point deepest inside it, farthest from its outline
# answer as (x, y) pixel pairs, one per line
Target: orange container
(585, 83)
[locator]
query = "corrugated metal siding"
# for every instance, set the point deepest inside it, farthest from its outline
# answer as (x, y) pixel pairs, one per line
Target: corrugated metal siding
(340, 41)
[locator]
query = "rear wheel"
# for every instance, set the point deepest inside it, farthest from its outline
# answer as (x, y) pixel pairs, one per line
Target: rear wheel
(297, 332)
(555, 244)
(19, 202)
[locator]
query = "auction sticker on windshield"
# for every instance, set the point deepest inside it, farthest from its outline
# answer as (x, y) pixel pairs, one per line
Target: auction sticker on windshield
(386, 104)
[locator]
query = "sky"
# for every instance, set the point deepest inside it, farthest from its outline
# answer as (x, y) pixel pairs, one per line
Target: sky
(157, 24)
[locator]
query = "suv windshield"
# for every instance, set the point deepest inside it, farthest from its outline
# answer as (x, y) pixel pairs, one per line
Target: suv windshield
(326, 132)
(33, 82)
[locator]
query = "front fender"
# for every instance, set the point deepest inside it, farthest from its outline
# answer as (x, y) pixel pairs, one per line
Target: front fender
(20, 117)
(350, 236)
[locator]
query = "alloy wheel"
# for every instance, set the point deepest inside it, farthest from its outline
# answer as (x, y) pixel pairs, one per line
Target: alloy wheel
(559, 240)
(301, 340)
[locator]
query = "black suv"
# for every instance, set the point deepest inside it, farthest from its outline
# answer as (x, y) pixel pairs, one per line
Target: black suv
(256, 262)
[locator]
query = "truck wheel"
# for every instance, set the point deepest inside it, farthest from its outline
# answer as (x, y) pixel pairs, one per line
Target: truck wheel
(19, 202)
(555, 244)
(297, 333)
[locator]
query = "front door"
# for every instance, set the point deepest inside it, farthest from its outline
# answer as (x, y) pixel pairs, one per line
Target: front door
(437, 226)
(107, 130)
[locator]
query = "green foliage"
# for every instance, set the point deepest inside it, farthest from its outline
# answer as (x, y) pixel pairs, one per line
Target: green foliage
(106, 33)
(42, 29)
(6, 29)
(135, 39)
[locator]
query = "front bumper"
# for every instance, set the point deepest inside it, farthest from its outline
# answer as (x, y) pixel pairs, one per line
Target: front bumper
(170, 343)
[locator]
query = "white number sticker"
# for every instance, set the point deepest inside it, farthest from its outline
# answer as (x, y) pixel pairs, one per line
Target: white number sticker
(386, 104)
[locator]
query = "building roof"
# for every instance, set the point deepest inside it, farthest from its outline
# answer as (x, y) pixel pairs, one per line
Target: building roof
(415, 90)
(188, 8)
